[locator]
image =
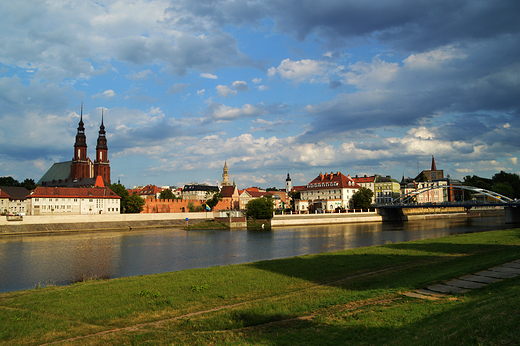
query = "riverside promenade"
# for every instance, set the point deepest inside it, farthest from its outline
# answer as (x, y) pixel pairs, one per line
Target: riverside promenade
(67, 222)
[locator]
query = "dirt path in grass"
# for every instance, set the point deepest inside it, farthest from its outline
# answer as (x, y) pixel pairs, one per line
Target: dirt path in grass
(140, 326)
(349, 306)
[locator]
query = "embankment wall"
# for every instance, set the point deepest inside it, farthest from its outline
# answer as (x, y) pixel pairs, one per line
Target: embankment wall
(56, 223)
(323, 219)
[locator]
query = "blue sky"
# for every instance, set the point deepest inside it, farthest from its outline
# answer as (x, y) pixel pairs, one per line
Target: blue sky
(361, 87)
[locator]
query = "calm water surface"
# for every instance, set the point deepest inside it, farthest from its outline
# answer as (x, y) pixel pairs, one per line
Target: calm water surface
(60, 259)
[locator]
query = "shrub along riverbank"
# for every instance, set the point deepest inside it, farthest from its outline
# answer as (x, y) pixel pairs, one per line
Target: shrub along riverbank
(346, 297)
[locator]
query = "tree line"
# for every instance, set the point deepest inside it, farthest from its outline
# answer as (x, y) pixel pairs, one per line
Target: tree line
(29, 184)
(506, 184)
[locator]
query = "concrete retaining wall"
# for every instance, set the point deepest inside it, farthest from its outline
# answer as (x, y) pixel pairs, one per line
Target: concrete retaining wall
(55, 223)
(323, 219)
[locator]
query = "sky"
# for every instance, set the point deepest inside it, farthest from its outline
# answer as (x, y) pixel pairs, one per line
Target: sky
(270, 87)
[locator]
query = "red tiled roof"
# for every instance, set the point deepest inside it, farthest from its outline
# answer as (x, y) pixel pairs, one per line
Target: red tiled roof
(253, 188)
(227, 191)
(337, 180)
(257, 194)
(365, 180)
(148, 190)
(3, 194)
(73, 192)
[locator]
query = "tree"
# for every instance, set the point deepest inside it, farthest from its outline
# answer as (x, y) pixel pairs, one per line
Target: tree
(134, 204)
(476, 181)
(504, 189)
(294, 195)
(8, 181)
(511, 179)
(167, 194)
(271, 189)
(362, 198)
(212, 198)
(192, 208)
(260, 208)
(29, 184)
(121, 191)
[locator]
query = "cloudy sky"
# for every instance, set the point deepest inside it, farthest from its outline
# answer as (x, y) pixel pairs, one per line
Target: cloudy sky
(299, 86)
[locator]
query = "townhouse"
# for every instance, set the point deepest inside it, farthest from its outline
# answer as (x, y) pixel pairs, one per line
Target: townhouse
(13, 200)
(326, 193)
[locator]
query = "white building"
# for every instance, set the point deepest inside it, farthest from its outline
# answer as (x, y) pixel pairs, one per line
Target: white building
(13, 200)
(74, 200)
(326, 193)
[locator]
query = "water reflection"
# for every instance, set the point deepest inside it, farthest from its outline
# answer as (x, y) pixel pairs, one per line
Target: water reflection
(60, 259)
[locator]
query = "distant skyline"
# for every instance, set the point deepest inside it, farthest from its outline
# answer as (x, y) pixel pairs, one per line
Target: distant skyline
(271, 87)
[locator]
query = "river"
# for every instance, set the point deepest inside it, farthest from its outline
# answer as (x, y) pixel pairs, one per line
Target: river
(28, 261)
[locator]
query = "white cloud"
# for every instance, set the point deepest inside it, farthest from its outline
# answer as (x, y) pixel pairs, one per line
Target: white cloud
(257, 80)
(300, 71)
(225, 91)
(226, 113)
(240, 86)
(141, 75)
(208, 76)
(434, 59)
(105, 94)
(376, 75)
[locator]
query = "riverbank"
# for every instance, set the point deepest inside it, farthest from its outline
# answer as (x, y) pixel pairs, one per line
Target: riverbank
(354, 296)
(75, 223)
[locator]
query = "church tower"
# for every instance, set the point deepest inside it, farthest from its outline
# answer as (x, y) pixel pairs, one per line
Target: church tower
(225, 176)
(80, 167)
(288, 184)
(102, 164)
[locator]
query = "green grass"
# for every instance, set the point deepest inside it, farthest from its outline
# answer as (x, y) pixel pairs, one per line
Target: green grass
(207, 224)
(346, 297)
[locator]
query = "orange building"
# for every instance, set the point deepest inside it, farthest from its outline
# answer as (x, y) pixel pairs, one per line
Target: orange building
(154, 205)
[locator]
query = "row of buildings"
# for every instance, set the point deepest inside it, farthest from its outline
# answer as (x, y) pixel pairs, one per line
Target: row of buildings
(80, 186)
(326, 193)
(99, 199)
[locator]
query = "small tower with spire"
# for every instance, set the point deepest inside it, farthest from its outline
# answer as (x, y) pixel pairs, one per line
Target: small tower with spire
(80, 163)
(225, 176)
(288, 184)
(102, 164)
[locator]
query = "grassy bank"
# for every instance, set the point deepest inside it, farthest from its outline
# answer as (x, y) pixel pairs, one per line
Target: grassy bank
(345, 297)
(207, 224)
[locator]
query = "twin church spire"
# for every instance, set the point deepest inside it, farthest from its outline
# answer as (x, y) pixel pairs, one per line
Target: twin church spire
(82, 166)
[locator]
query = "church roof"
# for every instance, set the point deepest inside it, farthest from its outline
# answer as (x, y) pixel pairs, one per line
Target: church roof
(59, 170)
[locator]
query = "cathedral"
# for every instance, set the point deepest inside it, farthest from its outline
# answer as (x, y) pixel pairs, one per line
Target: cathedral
(81, 171)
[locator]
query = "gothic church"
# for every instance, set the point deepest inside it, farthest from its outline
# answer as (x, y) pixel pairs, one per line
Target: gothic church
(81, 172)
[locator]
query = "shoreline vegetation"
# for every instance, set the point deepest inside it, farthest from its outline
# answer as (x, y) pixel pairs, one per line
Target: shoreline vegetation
(207, 224)
(346, 297)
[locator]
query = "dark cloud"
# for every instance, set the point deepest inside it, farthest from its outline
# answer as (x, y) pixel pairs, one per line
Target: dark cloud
(334, 84)
(414, 25)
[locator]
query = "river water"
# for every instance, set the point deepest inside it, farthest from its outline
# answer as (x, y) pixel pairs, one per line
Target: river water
(27, 261)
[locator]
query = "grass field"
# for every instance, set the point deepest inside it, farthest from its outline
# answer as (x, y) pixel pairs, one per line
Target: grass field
(346, 297)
